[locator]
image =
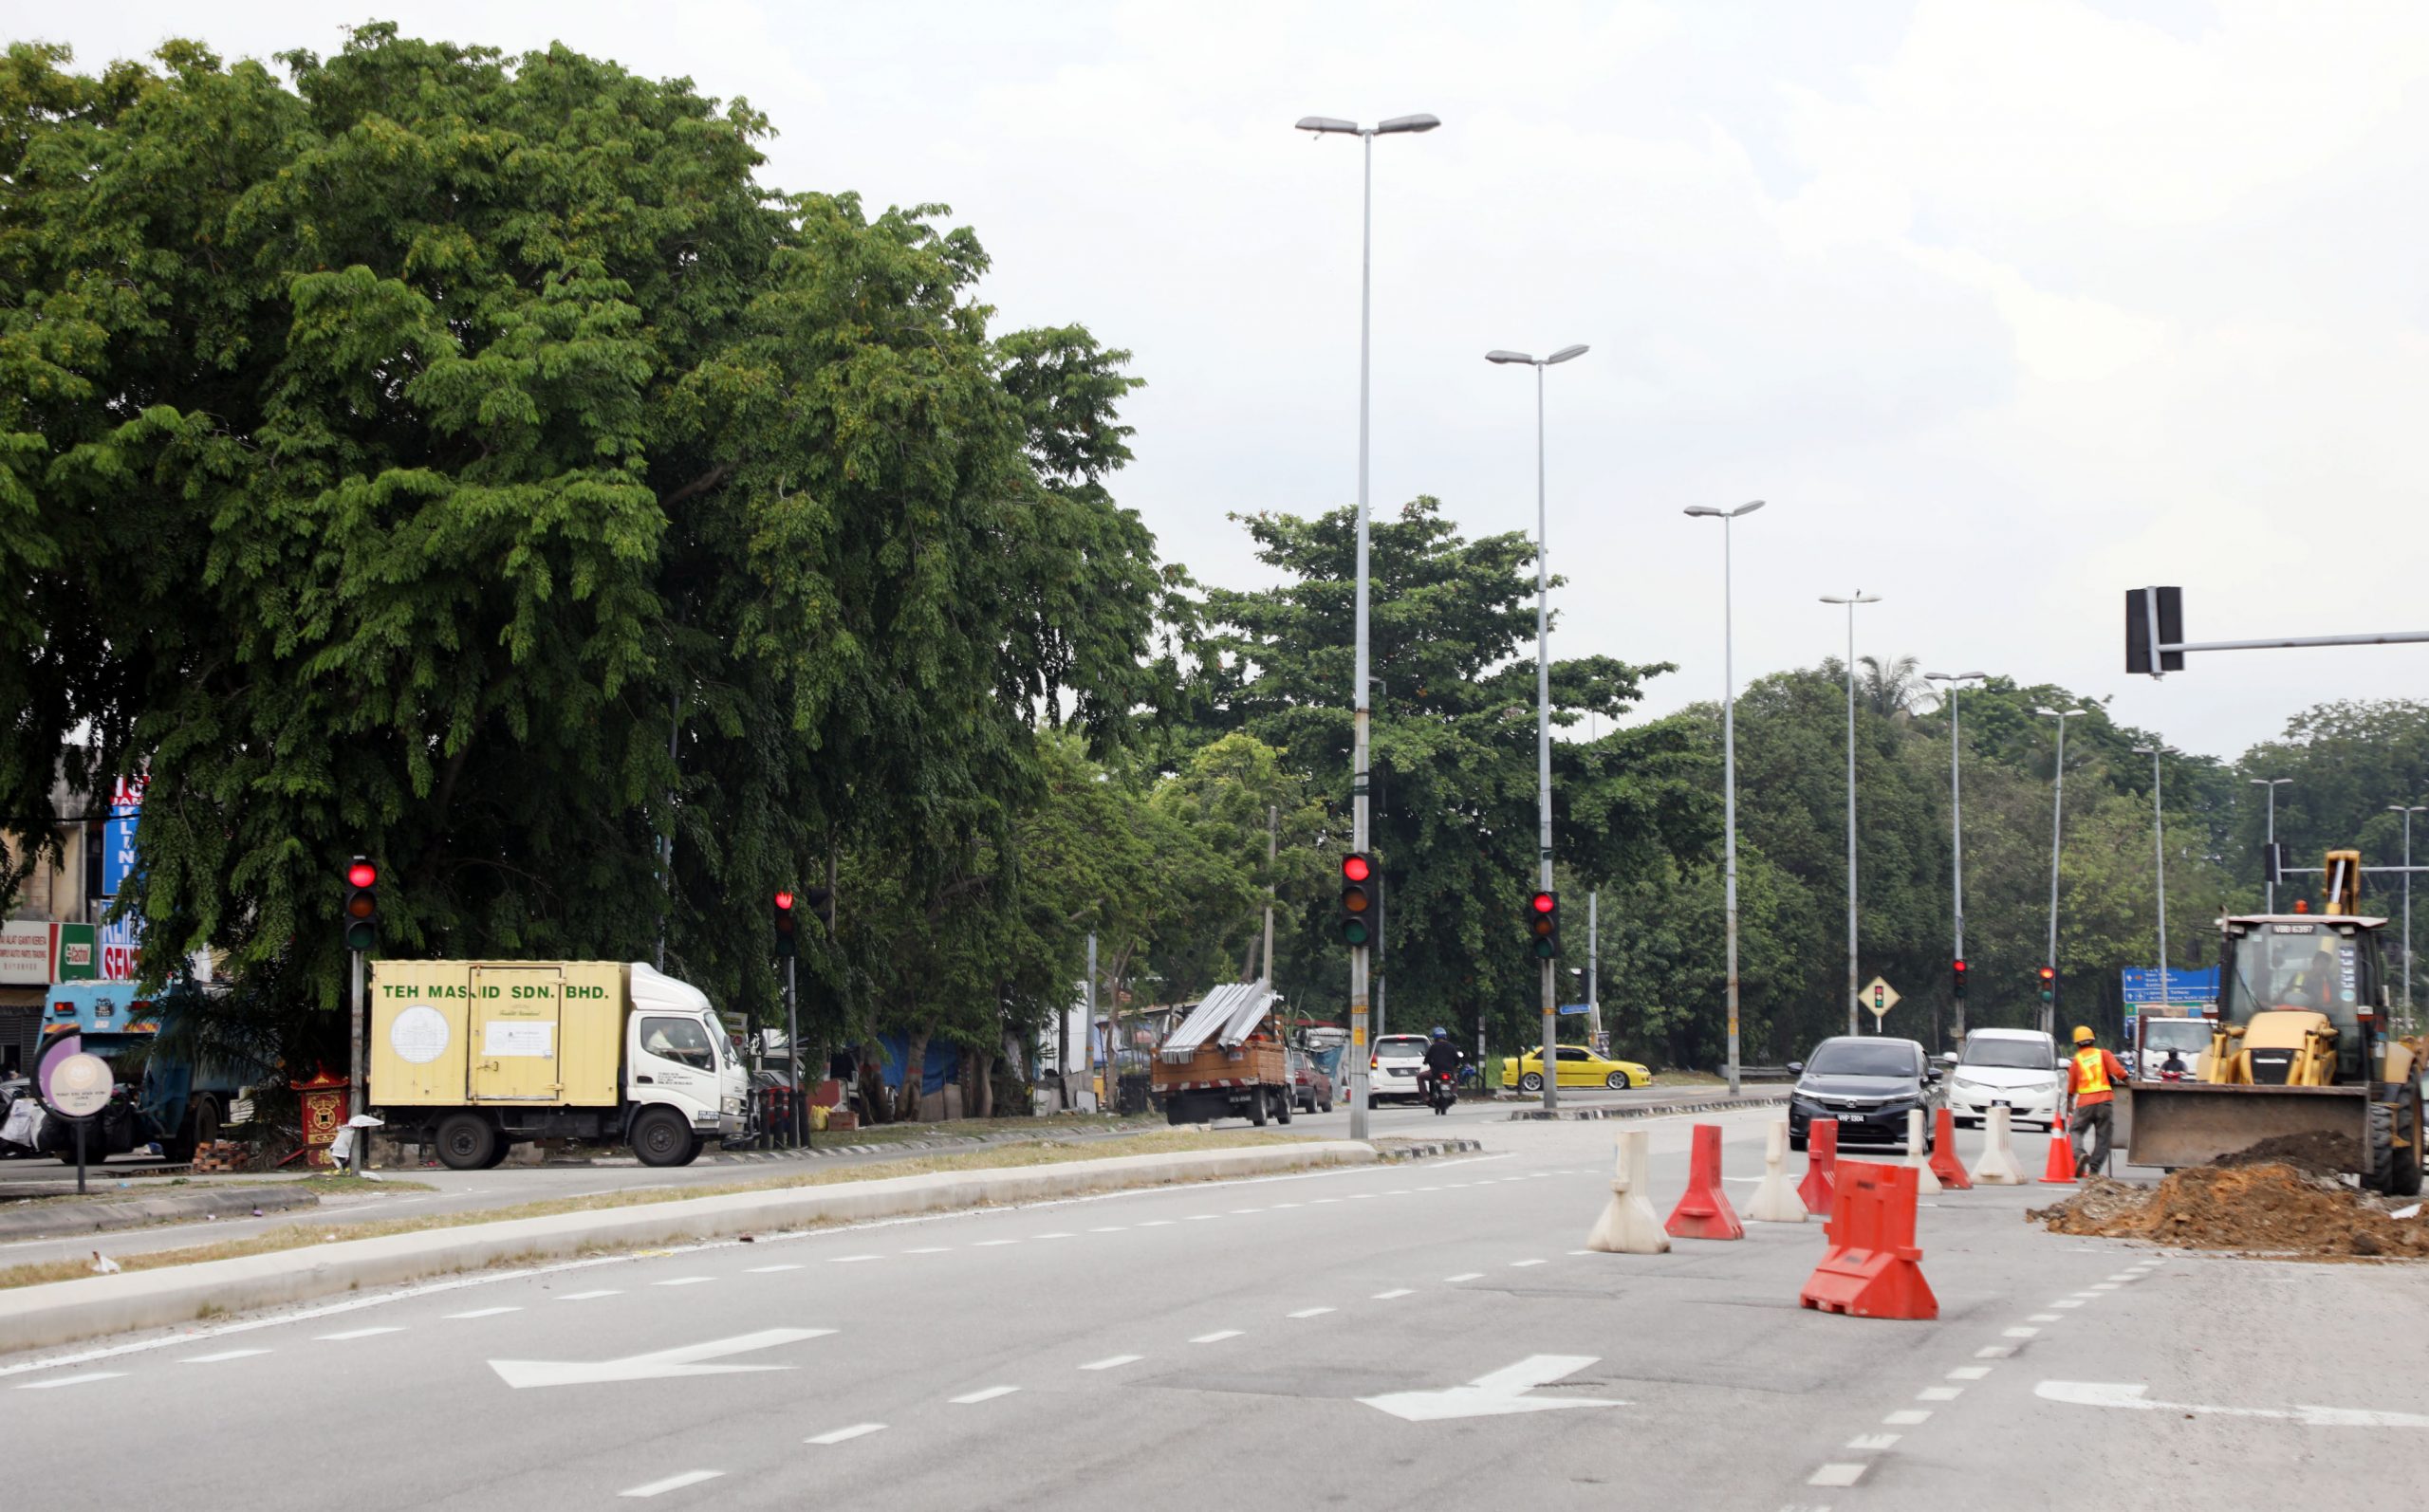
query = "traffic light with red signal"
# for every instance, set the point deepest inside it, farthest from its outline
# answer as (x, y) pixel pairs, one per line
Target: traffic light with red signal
(361, 905)
(1359, 891)
(2049, 977)
(788, 935)
(1543, 925)
(1957, 973)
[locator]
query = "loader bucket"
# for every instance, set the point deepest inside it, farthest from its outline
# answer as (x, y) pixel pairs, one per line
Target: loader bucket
(2193, 1123)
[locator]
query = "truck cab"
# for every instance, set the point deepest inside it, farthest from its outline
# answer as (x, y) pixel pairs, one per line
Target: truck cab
(159, 1100)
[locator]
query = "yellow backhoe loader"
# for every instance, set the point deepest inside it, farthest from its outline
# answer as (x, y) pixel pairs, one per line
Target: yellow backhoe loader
(2302, 1052)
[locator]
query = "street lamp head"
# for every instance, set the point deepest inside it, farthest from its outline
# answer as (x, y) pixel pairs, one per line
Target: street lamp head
(1564, 354)
(1748, 507)
(2146, 750)
(1323, 123)
(2268, 781)
(1401, 123)
(1502, 355)
(1858, 597)
(1955, 676)
(2058, 713)
(1705, 511)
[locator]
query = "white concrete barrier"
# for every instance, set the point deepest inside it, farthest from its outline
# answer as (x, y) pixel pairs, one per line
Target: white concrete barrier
(1996, 1166)
(1926, 1179)
(1776, 1200)
(1629, 1226)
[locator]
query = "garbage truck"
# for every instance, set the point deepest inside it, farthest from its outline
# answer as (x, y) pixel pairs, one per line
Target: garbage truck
(2304, 1059)
(476, 1056)
(156, 1100)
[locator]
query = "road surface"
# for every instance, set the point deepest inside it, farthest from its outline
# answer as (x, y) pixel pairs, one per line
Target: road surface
(1421, 1334)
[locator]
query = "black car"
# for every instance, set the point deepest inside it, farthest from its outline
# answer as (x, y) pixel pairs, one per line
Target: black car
(1867, 1085)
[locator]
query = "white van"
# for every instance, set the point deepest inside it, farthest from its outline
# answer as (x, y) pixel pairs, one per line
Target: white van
(2188, 1036)
(2016, 1069)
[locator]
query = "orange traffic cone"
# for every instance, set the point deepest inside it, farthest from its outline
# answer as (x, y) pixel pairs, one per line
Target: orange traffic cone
(2060, 1171)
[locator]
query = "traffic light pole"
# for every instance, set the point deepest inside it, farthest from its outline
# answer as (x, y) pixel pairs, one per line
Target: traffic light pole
(792, 1044)
(1544, 753)
(357, 1094)
(1362, 716)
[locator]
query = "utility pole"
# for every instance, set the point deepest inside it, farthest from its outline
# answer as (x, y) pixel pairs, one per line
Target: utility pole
(2057, 823)
(1956, 681)
(2271, 784)
(801, 1071)
(1594, 972)
(1091, 1002)
(1729, 750)
(2159, 859)
(1854, 991)
(1272, 838)
(2407, 812)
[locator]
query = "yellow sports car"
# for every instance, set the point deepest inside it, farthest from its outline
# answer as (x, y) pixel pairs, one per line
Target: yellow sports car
(1579, 1067)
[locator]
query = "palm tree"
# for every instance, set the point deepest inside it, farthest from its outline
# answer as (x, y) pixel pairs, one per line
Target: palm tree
(1889, 687)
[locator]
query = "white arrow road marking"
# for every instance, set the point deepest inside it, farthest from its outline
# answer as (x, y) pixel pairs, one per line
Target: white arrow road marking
(665, 1364)
(2119, 1394)
(1497, 1394)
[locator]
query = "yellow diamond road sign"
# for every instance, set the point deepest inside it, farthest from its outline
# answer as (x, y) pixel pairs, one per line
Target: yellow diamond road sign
(1879, 997)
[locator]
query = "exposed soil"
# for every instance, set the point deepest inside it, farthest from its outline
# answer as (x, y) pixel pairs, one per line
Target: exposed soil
(2271, 1207)
(2314, 1154)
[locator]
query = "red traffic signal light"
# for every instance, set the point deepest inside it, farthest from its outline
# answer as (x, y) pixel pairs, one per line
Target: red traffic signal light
(361, 905)
(1360, 892)
(788, 940)
(1543, 925)
(1958, 971)
(361, 874)
(2049, 975)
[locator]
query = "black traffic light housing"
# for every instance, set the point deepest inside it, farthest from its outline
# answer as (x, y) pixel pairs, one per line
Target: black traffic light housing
(1359, 891)
(822, 905)
(1543, 925)
(788, 930)
(2154, 608)
(1957, 973)
(361, 905)
(2047, 976)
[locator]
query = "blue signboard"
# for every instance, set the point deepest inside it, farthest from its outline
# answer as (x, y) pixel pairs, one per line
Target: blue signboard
(2184, 985)
(118, 856)
(1576, 1007)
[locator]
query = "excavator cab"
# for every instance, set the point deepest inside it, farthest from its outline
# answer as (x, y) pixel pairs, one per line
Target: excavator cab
(2302, 1057)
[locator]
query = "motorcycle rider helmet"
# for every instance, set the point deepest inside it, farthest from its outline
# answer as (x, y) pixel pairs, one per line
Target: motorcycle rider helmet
(1441, 1033)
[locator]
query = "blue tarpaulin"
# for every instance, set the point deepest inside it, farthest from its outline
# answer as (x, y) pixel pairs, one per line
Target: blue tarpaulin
(940, 1064)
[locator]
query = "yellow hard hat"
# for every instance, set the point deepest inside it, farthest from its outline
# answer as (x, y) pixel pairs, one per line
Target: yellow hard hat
(2082, 1035)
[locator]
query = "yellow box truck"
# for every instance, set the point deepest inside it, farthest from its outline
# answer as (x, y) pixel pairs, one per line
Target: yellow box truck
(476, 1056)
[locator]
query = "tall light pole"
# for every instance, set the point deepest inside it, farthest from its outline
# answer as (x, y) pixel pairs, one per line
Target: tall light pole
(1544, 708)
(1956, 833)
(2270, 882)
(2407, 811)
(2159, 857)
(2057, 827)
(1851, 601)
(1729, 753)
(1324, 126)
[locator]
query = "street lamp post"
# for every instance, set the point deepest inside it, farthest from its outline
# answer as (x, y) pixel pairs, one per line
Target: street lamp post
(1331, 125)
(2159, 860)
(1543, 708)
(2057, 827)
(1729, 754)
(2407, 811)
(2270, 881)
(1851, 601)
(1956, 823)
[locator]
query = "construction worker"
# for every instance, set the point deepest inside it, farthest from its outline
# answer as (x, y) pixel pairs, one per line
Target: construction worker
(2092, 1078)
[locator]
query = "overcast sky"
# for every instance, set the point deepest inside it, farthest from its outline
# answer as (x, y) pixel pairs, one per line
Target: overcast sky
(2004, 306)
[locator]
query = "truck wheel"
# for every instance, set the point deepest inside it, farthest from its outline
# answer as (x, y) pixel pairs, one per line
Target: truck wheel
(662, 1138)
(2406, 1181)
(1282, 1108)
(2379, 1171)
(466, 1141)
(1256, 1108)
(1171, 1114)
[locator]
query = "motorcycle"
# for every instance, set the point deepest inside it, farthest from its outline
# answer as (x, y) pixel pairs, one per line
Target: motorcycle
(1440, 1092)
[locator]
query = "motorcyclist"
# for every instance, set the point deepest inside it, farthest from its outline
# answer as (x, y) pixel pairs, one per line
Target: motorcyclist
(1443, 1060)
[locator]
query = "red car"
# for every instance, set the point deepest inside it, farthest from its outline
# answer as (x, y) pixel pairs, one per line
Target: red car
(1310, 1088)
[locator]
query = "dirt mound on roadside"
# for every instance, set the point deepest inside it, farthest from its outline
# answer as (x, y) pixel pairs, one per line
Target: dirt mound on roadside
(2271, 1207)
(2314, 1154)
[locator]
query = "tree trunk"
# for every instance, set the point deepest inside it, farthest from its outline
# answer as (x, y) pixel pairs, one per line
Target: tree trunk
(874, 1103)
(981, 1102)
(915, 1074)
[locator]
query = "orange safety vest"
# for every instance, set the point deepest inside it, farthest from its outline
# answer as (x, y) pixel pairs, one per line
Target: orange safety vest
(2091, 1076)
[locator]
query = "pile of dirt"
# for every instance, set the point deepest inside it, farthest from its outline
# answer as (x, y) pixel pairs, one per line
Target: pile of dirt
(2269, 1206)
(2314, 1154)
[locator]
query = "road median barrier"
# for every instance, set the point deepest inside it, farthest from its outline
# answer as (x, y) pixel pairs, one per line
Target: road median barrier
(1996, 1166)
(60, 1219)
(63, 1312)
(1703, 1210)
(1926, 1180)
(1945, 1165)
(1873, 1268)
(1628, 1225)
(1775, 1201)
(1821, 1167)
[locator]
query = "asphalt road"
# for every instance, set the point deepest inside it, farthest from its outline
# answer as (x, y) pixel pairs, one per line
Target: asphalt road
(1283, 1342)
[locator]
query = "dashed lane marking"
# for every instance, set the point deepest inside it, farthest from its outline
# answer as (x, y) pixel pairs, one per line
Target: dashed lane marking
(482, 1312)
(1837, 1474)
(1157, 1223)
(1465, 1275)
(586, 1296)
(1057, 1234)
(1112, 1362)
(761, 1270)
(673, 1483)
(684, 1281)
(1199, 1218)
(1994, 1352)
(1521, 1264)
(1969, 1372)
(1310, 1312)
(2020, 1332)
(1217, 1337)
(1110, 1228)
(927, 1249)
(1940, 1393)
(839, 1435)
(850, 1259)
(984, 1394)
(1397, 1291)
(1871, 1440)
(223, 1354)
(994, 1243)
(356, 1333)
(70, 1380)
(2043, 1318)
(1907, 1417)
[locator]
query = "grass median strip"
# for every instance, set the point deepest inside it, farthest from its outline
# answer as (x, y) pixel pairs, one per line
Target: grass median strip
(1005, 1156)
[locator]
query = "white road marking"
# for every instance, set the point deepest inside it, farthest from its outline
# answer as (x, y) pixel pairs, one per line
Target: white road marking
(838, 1436)
(770, 1270)
(1940, 1393)
(1217, 1337)
(2119, 1394)
(1310, 1312)
(2020, 1332)
(1871, 1440)
(1994, 1352)
(1397, 1291)
(1496, 1394)
(584, 1297)
(927, 1249)
(1969, 1372)
(1199, 1218)
(1059, 1233)
(665, 1364)
(70, 1380)
(2127, 1275)
(356, 1333)
(2067, 1302)
(484, 1312)
(1907, 1417)
(854, 1260)
(1112, 1362)
(985, 1394)
(1278, 1207)
(1112, 1228)
(673, 1483)
(1360, 1196)
(223, 1354)
(684, 1281)
(1236, 1211)
(2043, 1318)
(1521, 1264)
(1321, 1201)
(1465, 1275)
(1836, 1474)
(2102, 1287)
(1157, 1223)
(995, 1244)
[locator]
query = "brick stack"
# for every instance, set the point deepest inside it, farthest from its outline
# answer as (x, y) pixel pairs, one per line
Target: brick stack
(219, 1156)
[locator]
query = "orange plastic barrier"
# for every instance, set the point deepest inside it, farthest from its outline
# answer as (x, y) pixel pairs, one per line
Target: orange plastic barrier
(1945, 1165)
(1704, 1212)
(1821, 1167)
(2060, 1170)
(1873, 1267)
